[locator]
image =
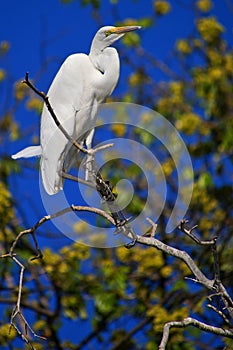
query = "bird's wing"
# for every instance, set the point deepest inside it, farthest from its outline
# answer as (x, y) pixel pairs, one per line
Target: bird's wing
(69, 92)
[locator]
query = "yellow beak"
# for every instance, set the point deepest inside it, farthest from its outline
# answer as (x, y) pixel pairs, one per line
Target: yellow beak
(122, 30)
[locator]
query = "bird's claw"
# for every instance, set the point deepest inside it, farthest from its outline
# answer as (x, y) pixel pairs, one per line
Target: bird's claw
(123, 222)
(131, 244)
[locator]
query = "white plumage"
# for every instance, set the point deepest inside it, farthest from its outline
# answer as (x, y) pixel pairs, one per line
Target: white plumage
(81, 84)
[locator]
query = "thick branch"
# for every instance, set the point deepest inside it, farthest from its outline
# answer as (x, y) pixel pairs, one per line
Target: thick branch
(55, 215)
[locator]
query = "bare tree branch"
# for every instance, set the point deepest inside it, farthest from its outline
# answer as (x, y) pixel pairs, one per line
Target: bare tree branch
(180, 254)
(218, 286)
(189, 321)
(189, 232)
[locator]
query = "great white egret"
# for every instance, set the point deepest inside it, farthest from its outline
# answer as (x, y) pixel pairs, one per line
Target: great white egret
(81, 84)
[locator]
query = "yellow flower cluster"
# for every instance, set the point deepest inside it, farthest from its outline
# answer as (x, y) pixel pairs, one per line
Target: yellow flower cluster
(35, 104)
(131, 40)
(161, 316)
(214, 56)
(161, 7)
(2, 74)
(5, 335)
(76, 251)
(188, 123)
(118, 129)
(4, 47)
(176, 88)
(134, 79)
(6, 211)
(81, 227)
(183, 46)
(147, 260)
(20, 90)
(146, 118)
(204, 5)
(229, 64)
(168, 167)
(210, 29)
(215, 73)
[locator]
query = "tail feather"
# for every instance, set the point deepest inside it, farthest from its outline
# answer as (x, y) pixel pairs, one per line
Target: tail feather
(28, 152)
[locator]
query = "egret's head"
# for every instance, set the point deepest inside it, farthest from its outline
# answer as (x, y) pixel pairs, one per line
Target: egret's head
(107, 35)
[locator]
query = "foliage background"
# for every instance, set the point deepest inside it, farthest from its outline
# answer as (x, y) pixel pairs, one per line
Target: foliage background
(181, 65)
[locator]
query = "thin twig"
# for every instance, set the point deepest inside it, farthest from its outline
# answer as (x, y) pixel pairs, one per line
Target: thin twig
(17, 310)
(77, 179)
(220, 313)
(218, 286)
(151, 232)
(189, 232)
(100, 148)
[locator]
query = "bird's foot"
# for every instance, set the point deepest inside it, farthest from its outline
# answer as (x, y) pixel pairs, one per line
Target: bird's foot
(131, 244)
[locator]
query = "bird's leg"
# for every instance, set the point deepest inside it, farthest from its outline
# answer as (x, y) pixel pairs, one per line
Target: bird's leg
(90, 165)
(104, 189)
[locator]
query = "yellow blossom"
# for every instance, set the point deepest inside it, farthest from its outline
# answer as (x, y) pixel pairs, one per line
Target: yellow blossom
(6, 211)
(5, 335)
(204, 5)
(35, 104)
(209, 28)
(118, 129)
(123, 254)
(215, 73)
(176, 87)
(229, 63)
(134, 79)
(146, 117)
(4, 47)
(81, 227)
(2, 74)
(161, 7)
(214, 56)
(168, 167)
(183, 47)
(166, 271)
(20, 90)
(197, 43)
(188, 123)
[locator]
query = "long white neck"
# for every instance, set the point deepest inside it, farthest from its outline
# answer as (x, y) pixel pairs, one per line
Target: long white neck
(107, 62)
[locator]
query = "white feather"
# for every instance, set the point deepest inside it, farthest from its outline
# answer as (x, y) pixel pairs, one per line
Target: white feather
(28, 152)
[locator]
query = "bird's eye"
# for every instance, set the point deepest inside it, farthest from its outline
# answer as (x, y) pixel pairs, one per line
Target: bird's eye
(107, 33)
